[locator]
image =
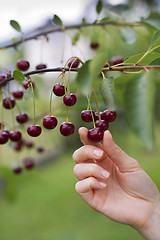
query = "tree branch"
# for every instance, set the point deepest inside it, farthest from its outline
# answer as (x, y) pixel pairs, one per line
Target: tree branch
(64, 28)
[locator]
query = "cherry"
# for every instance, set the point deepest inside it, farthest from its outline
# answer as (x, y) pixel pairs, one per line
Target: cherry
(17, 169)
(29, 144)
(26, 84)
(59, 89)
(103, 124)
(70, 99)
(19, 145)
(18, 94)
(34, 130)
(8, 103)
(22, 118)
(67, 128)
(117, 60)
(2, 78)
(50, 122)
(96, 134)
(73, 63)
(41, 66)
(15, 136)
(86, 115)
(23, 65)
(108, 115)
(4, 136)
(96, 116)
(40, 149)
(29, 163)
(94, 45)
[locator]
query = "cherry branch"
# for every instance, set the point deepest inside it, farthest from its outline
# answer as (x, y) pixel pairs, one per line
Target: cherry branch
(64, 28)
(61, 69)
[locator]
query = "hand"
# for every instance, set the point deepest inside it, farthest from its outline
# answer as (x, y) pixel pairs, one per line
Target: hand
(113, 183)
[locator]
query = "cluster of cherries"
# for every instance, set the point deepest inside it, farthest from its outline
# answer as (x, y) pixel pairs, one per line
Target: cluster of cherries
(101, 122)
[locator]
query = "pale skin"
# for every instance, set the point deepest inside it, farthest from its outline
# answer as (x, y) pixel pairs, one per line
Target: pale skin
(114, 184)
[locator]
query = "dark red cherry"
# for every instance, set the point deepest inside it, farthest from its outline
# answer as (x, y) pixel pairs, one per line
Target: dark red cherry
(18, 94)
(34, 130)
(41, 66)
(26, 84)
(70, 99)
(96, 117)
(4, 136)
(29, 163)
(86, 115)
(94, 45)
(96, 134)
(19, 145)
(103, 124)
(2, 78)
(40, 149)
(108, 115)
(73, 63)
(17, 169)
(15, 136)
(59, 89)
(23, 65)
(67, 128)
(117, 60)
(29, 144)
(22, 118)
(8, 103)
(50, 122)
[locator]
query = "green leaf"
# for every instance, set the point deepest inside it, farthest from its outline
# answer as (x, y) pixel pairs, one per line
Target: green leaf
(150, 57)
(57, 20)
(153, 20)
(27, 93)
(139, 105)
(97, 63)
(18, 75)
(128, 35)
(75, 38)
(84, 79)
(99, 7)
(155, 43)
(84, 21)
(108, 93)
(15, 25)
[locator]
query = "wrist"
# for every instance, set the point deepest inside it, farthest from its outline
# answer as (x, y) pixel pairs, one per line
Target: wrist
(151, 230)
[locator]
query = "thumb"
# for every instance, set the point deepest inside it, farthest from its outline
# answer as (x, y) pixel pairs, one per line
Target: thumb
(118, 156)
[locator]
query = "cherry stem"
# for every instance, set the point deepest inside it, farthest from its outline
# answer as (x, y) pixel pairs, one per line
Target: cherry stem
(91, 113)
(50, 104)
(2, 117)
(97, 107)
(67, 114)
(70, 71)
(33, 96)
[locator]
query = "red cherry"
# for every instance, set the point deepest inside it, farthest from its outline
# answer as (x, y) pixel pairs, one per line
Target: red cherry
(23, 65)
(15, 136)
(70, 99)
(117, 60)
(26, 84)
(4, 136)
(29, 144)
(41, 66)
(40, 149)
(96, 134)
(94, 45)
(59, 89)
(86, 115)
(29, 163)
(50, 122)
(17, 169)
(103, 124)
(19, 145)
(73, 63)
(18, 94)
(34, 130)
(108, 115)
(22, 118)
(8, 103)
(67, 128)
(2, 78)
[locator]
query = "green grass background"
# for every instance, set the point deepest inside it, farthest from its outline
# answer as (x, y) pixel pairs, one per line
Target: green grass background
(47, 206)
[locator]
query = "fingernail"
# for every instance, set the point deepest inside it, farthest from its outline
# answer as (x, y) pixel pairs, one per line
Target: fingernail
(98, 152)
(102, 184)
(105, 174)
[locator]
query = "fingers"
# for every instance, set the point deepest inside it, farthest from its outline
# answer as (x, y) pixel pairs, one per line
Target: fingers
(85, 170)
(88, 152)
(83, 132)
(89, 184)
(120, 158)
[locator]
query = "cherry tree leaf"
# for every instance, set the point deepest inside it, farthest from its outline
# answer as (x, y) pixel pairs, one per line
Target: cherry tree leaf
(153, 20)
(15, 25)
(99, 7)
(57, 20)
(18, 75)
(108, 93)
(150, 57)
